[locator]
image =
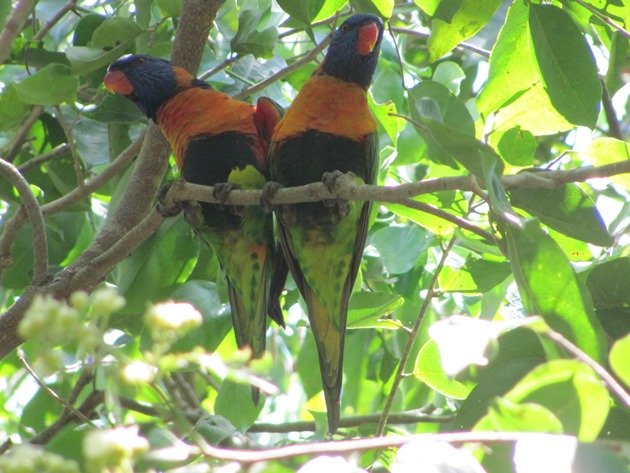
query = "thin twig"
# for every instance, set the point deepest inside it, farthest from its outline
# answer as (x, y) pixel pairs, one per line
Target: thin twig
(20, 135)
(462, 45)
(411, 417)
(604, 18)
(34, 212)
(68, 7)
(443, 214)
(614, 128)
(347, 446)
(404, 357)
(67, 406)
(287, 70)
(76, 159)
(13, 26)
(54, 153)
(612, 383)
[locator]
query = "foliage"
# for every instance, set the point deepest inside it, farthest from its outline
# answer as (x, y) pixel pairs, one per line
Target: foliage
(439, 335)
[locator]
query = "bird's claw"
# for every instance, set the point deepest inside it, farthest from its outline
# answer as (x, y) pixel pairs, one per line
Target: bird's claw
(330, 180)
(221, 191)
(166, 206)
(268, 192)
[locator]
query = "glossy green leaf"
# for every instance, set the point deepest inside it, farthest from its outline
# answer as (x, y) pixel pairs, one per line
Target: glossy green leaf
(620, 359)
(513, 89)
(433, 100)
(311, 10)
(519, 352)
(117, 109)
(373, 310)
(234, 402)
(329, 8)
(549, 287)
(570, 390)
(607, 283)
(217, 322)
(36, 89)
(429, 6)
(567, 209)
(566, 63)
(87, 59)
(162, 260)
(477, 275)
(113, 32)
(506, 416)
(517, 147)
(12, 108)
(169, 8)
(399, 246)
(428, 369)
(606, 150)
(85, 28)
(383, 113)
(471, 16)
(450, 75)
(249, 40)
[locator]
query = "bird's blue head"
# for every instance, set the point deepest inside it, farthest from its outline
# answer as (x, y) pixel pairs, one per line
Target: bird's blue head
(147, 81)
(353, 51)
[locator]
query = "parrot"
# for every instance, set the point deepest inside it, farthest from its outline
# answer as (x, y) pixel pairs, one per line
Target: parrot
(328, 129)
(222, 142)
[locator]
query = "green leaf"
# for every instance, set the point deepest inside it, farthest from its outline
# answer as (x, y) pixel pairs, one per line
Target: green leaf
(428, 6)
(567, 209)
(428, 369)
(607, 283)
(433, 100)
(549, 287)
(569, 389)
(249, 40)
(169, 8)
(308, 11)
(85, 28)
(471, 16)
(477, 275)
(399, 246)
(517, 147)
(619, 359)
(514, 84)
(117, 109)
(383, 113)
(329, 8)
(86, 59)
(372, 310)
(450, 75)
(520, 351)
(566, 63)
(162, 260)
(37, 89)
(234, 402)
(113, 32)
(13, 110)
(217, 322)
(506, 416)
(605, 150)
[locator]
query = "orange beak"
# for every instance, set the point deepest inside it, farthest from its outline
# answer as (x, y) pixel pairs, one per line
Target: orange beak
(368, 36)
(118, 83)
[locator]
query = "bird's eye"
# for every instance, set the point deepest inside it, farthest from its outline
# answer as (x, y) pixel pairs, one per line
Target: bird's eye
(140, 60)
(345, 28)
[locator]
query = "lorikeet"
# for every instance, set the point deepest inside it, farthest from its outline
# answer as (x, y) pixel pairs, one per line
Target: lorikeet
(216, 139)
(329, 128)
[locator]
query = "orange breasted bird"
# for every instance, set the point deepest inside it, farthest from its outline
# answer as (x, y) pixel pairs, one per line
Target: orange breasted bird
(329, 129)
(216, 140)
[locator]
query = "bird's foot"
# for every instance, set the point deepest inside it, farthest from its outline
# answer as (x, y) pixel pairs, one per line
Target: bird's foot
(268, 192)
(332, 180)
(193, 214)
(166, 206)
(221, 191)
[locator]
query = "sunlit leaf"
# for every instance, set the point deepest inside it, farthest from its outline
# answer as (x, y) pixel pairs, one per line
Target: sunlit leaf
(619, 356)
(234, 402)
(36, 88)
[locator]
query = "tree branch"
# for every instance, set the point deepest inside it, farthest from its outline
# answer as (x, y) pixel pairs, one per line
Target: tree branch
(409, 417)
(13, 26)
(195, 21)
(18, 139)
(54, 153)
(349, 190)
(34, 212)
